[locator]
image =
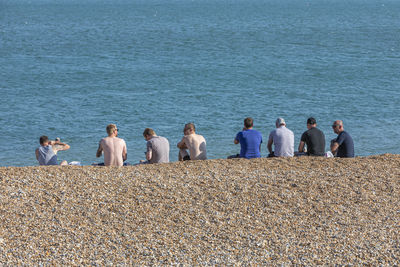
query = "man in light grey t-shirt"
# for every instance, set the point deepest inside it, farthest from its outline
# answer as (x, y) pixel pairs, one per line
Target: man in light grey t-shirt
(283, 139)
(157, 147)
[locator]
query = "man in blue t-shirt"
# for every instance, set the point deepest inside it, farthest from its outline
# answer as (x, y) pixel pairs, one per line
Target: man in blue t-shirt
(343, 145)
(250, 141)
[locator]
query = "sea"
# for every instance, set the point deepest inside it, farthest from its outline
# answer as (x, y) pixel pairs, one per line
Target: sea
(68, 68)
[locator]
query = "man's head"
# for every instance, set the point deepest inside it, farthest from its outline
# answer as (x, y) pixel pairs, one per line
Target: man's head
(311, 123)
(337, 126)
(148, 133)
(44, 140)
(112, 130)
(280, 122)
(248, 123)
(189, 129)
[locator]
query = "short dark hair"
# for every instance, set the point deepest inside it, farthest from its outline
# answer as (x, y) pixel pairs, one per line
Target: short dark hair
(248, 122)
(311, 121)
(43, 139)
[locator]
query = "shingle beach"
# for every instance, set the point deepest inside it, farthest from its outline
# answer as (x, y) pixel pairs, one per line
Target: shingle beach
(217, 212)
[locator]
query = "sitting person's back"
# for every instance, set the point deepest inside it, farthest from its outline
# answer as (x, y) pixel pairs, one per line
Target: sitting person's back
(250, 141)
(114, 148)
(46, 154)
(196, 145)
(194, 142)
(314, 138)
(283, 140)
(157, 147)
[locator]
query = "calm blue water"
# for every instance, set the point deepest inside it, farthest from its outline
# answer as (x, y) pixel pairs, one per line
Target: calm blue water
(69, 68)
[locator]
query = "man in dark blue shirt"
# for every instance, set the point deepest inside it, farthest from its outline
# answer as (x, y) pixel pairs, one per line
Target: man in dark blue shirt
(250, 140)
(343, 146)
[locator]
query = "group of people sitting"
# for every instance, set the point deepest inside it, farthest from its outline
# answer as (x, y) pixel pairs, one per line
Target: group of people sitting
(193, 146)
(312, 142)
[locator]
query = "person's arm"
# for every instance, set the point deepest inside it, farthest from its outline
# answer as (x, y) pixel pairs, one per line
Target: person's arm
(336, 143)
(37, 153)
(237, 137)
(149, 153)
(301, 146)
(99, 150)
(334, 147)
(60, 146)
(124, 151)
(269, 145)
(182, 144)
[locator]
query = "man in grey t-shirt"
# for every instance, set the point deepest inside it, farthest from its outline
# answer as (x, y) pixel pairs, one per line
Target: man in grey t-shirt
(46, 154)
(283, 139)
(157, 147)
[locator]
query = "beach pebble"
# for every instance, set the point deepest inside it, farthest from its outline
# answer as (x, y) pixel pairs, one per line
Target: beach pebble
(279, 211)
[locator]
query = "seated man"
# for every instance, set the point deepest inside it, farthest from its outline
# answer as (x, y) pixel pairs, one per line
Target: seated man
(314, 138)
(283, 138)
(250, 141)
(343, 145)
(46, 154)
(157, 147)
(194, 142)
(115, 152)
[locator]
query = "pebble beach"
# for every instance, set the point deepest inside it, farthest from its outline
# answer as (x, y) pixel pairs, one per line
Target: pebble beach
(279, 211)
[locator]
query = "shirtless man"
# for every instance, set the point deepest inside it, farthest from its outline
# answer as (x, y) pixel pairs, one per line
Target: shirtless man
(114, 148)
(46, 154)
(194, 142)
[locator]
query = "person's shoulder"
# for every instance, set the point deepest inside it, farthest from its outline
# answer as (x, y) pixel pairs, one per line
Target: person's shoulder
(255, 131)
(120, 140)
(346, 134)
(200, 136)
(317, 130)
(290, 131)
(163, 138)
(258, 133)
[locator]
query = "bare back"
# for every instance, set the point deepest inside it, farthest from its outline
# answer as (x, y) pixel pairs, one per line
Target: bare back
(196, 145)
(114, 150)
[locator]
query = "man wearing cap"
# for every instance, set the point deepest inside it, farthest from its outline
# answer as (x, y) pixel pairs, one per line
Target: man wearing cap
(250, 141)
(283, 139)
(314, 138)
(114, 148)
(343, 145)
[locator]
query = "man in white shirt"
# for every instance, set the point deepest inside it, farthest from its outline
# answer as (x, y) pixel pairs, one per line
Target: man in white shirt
(283, 139)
